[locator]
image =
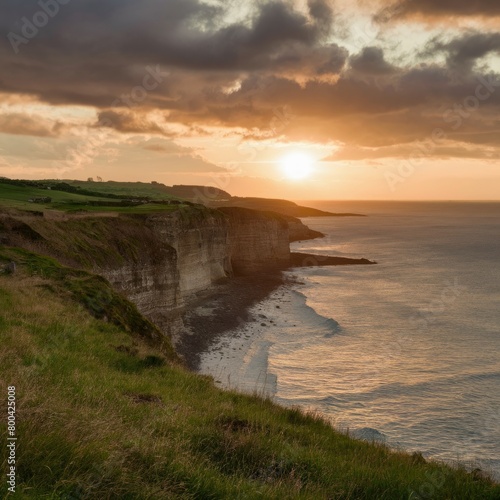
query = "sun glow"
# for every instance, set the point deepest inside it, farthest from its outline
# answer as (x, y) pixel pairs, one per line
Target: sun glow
(297, 166)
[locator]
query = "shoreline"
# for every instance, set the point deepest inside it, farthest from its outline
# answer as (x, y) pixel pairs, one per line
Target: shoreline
(228, 306)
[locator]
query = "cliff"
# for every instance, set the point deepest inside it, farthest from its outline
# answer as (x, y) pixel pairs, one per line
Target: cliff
(162, 261)
(124, 250)
(311, 260)
(298, 231)
(200, 240)
(259, 241)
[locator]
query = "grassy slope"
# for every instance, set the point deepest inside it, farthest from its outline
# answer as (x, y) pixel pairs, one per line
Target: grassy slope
(103, 414)
(16, 197)
(155, 191)
(92, 241)
(125, 189)
(283, 207)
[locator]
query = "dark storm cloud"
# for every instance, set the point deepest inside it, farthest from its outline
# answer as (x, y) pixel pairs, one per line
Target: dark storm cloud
(464, 51)
(371, 60)
(439, 8)
(398, 109)
(425, 87)
(90, 51)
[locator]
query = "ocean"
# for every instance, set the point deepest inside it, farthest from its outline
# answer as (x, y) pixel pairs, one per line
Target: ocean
(406, 352)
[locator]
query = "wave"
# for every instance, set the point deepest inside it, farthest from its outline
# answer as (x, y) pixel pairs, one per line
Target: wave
(430, 386)
(336, 401)
(310, 316)
(369, 434)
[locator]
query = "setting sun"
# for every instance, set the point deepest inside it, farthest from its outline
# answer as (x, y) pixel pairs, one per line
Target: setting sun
(297, 166)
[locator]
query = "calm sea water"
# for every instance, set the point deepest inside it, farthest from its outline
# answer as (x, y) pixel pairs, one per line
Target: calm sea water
(406, 352)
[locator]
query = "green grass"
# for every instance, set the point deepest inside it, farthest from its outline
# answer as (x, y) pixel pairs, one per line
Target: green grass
(91, 291)
(125, 189)
(149, 208)
(102, 414)
(17, 197)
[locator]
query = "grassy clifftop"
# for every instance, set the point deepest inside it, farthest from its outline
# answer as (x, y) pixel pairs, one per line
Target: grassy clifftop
(74, 197)
(104, 413)
(283, 207)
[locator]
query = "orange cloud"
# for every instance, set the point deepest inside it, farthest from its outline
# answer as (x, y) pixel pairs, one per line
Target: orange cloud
(24, 124)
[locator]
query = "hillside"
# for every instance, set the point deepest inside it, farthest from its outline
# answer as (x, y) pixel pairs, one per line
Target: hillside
(154, 190)
(51, 197)
(103, 411)
(137, 197)
(283, 207)
(71, 197)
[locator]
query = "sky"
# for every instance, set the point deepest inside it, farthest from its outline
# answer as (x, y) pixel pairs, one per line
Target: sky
(299, 99)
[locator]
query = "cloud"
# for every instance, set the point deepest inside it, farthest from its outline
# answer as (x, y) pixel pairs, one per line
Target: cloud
(23, 124)
(158, 148)
(166, 154)
(92, 51)
(194, 164)
(371, 60)
(439, 9)
(463, 52)
(128, 122)
(163, 146)
(421, 149)
(198, 67)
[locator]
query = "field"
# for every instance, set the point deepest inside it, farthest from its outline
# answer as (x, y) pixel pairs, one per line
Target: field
(17, 197)
(125, 189)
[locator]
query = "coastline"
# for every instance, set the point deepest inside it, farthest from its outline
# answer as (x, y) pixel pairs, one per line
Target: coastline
(247, 358)
(226, 308)
(229, 305)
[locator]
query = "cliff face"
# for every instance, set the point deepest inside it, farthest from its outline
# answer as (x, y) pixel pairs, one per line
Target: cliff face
(130, 254)
(201, 245)
(152, 284)
(299, 231)
(259, 241)
(195, 254)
